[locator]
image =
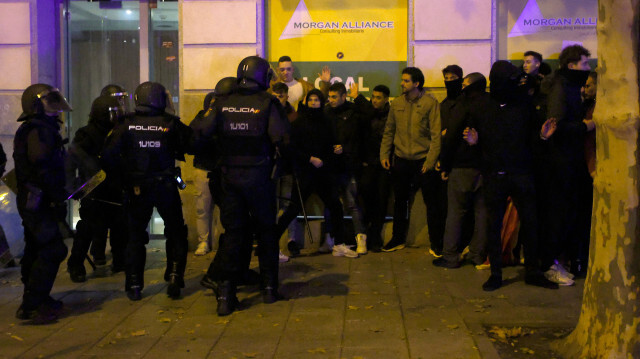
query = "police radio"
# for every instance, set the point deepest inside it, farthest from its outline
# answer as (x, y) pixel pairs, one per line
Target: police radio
(178, 176)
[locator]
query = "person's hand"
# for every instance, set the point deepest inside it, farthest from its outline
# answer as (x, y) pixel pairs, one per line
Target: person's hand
(326, 74)
(470, 135)
(316, 162)
(548, 128)
(590, 124)
(424, 168)
(444, 175)
(385, 164)
(353, 91)
(337, 149)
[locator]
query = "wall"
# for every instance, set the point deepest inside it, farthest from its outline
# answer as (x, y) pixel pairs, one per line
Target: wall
(440, 33)
(211, 47)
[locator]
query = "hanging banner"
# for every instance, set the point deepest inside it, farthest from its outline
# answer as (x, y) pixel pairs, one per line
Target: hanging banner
(547, 26)
(362, 41)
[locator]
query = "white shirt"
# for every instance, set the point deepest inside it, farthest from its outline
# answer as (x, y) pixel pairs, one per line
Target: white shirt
(295, 93)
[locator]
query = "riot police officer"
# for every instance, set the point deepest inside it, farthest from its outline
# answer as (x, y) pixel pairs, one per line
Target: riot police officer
(93, 226)
(147, 145)
(249, 126)
(39, 163)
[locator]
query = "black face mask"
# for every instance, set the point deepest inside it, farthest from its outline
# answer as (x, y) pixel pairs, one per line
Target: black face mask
(577, 77)
(454, 88)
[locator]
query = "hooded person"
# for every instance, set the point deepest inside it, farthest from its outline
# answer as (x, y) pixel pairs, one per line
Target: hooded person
(461, 167)
(503, 127)
(83, 163)
(39, 156)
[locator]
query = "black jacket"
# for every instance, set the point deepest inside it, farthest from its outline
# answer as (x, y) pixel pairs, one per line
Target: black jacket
(39, 155)
(3, 161)
(349, 130)
(312, 135)
(206, 155)
(462, 113)
(374, 123)
(84, 153)
(564, 103)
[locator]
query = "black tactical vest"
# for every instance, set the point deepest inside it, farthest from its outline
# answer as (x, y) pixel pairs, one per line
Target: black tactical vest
(243, 129)
(151, 146)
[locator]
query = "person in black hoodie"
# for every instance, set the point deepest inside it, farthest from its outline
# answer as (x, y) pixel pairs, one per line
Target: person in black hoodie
(375, 181)
(565, 159)
(312, 141)
(502, 125)
(93, 227)
(460, 165)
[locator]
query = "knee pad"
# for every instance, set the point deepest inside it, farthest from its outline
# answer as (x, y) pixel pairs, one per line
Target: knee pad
(55, 251)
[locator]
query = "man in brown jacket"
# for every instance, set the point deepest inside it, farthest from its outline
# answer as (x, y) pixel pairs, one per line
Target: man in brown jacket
(413, 131)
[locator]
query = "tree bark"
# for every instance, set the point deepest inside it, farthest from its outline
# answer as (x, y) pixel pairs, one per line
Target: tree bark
(609, 324)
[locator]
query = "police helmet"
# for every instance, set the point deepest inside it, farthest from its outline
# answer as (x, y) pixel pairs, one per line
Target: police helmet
(107, 110)
(151, 94)
(118, 92)
(256, 69)
(42, 98)
(226, 86)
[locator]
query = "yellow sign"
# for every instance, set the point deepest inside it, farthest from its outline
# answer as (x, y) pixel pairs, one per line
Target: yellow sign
(329, 30)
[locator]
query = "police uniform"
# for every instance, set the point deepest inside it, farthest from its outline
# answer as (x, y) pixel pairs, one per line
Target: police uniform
(93, 227)
(248, 126)
(39, 156)
(147, 145)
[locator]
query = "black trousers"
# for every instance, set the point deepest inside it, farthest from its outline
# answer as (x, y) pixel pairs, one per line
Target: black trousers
(407, 179)
(248, 204)
(375, 187)
(324, 184)
(497, 188)
(161, 193)
(43, 252)
(97, 219)
(569, 217)
(465, 194)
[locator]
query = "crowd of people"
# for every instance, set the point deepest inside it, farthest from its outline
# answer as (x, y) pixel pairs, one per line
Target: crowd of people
(265, 139)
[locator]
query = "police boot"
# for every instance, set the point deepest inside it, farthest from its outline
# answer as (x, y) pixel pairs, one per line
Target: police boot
(134, 287)
(270, 289)
(176, 281)
(227, 300)
(77, 273)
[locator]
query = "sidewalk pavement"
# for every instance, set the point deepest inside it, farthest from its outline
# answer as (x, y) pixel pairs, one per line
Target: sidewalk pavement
(381, 305)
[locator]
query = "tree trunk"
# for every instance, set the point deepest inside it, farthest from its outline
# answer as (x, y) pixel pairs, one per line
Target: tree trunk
(609, 324)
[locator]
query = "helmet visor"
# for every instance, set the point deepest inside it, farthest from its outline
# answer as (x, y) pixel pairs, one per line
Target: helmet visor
(124, 100)
(53, 101)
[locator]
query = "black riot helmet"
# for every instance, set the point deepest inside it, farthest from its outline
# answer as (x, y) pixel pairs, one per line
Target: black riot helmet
(226, 86)
(118, 92)
(151, 95)
(106, 110)
(255, 69)
(42, 98)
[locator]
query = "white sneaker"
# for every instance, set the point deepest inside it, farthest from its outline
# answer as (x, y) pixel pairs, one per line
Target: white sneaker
(203, 248)
(327, 246)
(560, 268)
(342, 250)
(282, 258)
(361, 239)
(557, 277)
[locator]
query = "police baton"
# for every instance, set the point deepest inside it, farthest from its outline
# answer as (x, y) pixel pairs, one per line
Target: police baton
(304, 212)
